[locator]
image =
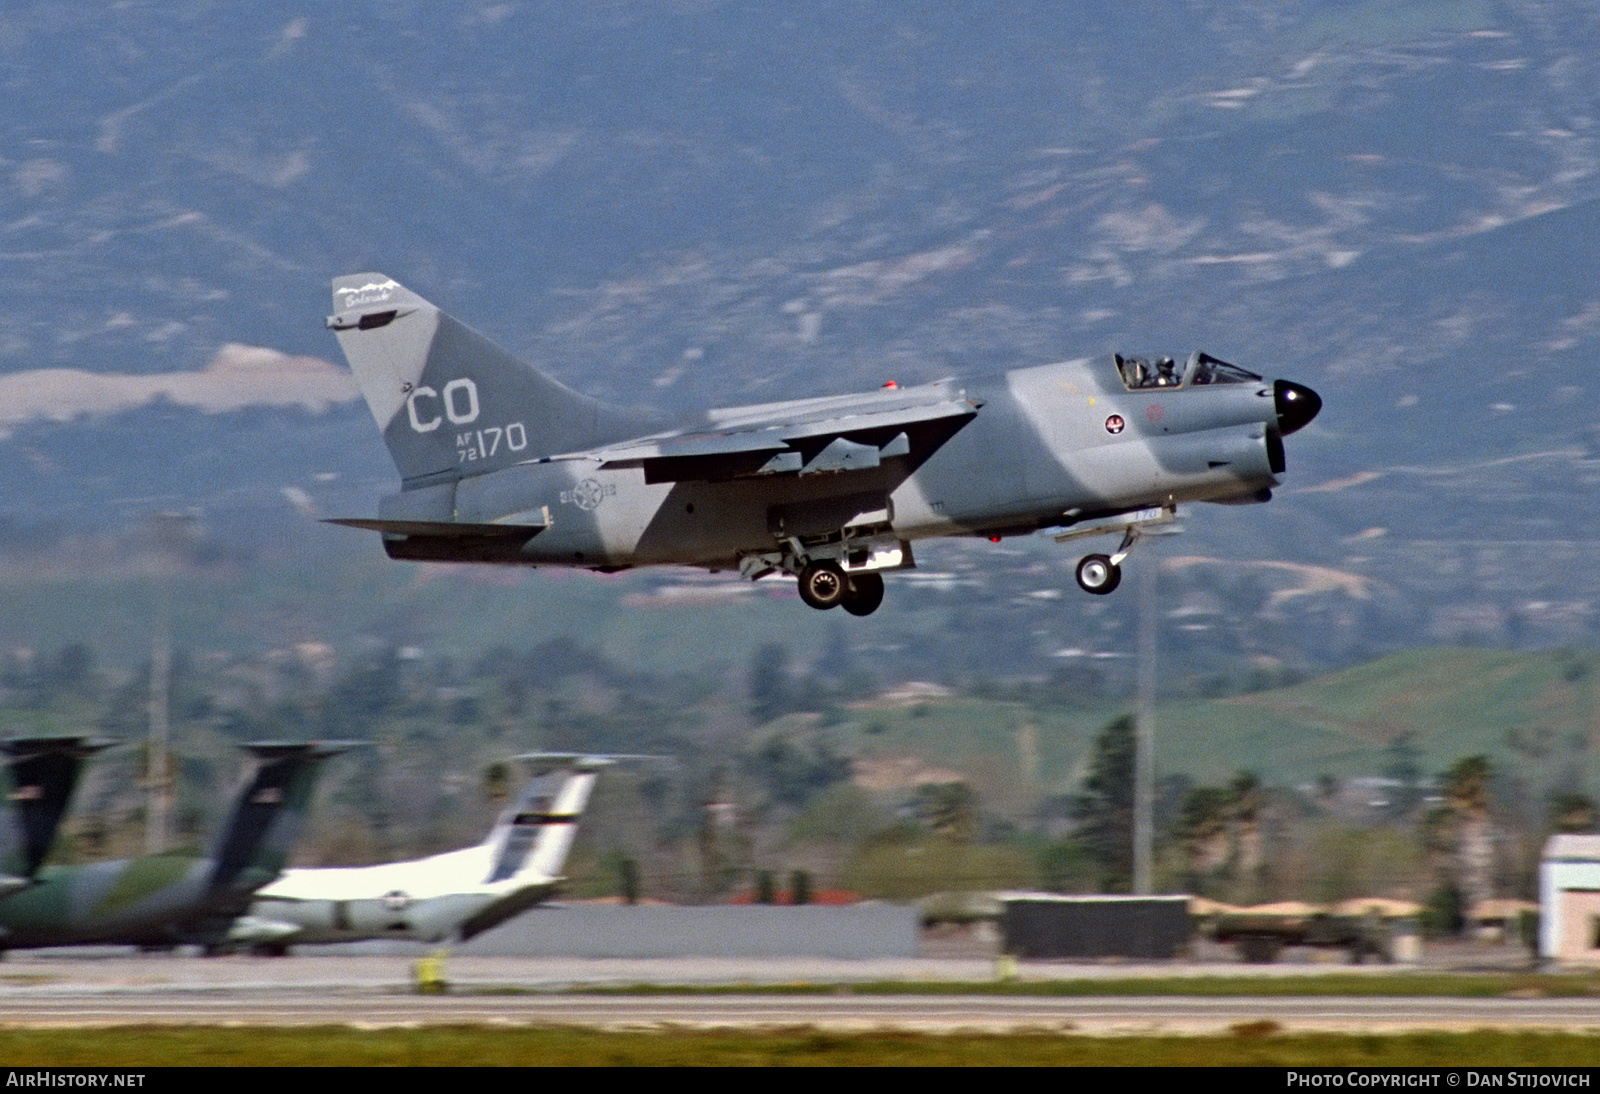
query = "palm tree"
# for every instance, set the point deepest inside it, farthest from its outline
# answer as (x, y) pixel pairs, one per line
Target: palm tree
(1469, 834)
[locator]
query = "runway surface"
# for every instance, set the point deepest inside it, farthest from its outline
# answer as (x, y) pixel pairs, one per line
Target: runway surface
(1108, 1016)
(56, 989)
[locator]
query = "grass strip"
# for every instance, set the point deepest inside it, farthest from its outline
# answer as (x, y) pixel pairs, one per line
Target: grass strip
(1252, 1044)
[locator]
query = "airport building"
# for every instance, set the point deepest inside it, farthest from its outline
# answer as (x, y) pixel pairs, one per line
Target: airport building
(1569, 899)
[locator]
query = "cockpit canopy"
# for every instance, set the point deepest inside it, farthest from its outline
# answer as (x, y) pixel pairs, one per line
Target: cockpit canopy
(1140, 373)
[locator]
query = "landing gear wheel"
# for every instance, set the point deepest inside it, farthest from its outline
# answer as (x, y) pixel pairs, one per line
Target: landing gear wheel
(866, 593)
(823, 585)
(1098, 574)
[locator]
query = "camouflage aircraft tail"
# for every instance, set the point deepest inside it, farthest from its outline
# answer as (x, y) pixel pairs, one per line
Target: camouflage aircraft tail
(447, 400)
(268, 813)
(42, 775)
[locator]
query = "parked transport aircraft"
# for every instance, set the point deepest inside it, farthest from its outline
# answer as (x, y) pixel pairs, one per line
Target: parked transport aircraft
(454, 895)
(166, 899)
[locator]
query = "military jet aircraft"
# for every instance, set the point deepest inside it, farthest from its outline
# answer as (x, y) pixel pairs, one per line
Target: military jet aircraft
(458, 894)
(166, 899)
(500, 463)
(41, 774)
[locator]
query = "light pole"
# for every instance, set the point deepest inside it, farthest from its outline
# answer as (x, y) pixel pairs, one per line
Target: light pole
(1144, 732)
(169, 529)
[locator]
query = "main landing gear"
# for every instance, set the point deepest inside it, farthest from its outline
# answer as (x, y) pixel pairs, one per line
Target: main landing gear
(842, 571)
(824, 584)
(1100, 574)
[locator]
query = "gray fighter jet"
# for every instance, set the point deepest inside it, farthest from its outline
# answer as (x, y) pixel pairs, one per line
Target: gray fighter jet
(500, 463)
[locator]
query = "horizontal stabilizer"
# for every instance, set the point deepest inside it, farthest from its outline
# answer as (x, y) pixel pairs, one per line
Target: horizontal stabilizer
(538, 763)
(299, 750)
(449, 528)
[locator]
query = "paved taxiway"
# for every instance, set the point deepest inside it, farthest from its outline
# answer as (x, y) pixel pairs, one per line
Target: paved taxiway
(56, 989)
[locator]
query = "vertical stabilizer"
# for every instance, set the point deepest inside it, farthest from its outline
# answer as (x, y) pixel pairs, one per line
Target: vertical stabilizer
(448, 401)
(268, 813)
(41, 777)
(532, 838)
(529, 844)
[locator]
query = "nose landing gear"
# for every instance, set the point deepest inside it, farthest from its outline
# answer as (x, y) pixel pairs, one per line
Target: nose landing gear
(1098, 574)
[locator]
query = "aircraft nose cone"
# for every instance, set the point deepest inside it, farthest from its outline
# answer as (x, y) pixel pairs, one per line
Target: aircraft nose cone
(1296, 405)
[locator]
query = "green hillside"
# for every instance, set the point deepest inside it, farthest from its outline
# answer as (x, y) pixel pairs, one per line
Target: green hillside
(1524, 710)
(1531, 713)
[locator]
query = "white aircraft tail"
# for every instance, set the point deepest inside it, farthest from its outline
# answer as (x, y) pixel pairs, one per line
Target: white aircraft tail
(532, 837)
(448, 401)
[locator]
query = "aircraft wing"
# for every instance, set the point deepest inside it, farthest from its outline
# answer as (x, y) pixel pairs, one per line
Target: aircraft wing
(512, 904)
(850, 434)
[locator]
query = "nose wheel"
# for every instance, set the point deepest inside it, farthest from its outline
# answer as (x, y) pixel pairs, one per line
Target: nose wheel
(1098, 574)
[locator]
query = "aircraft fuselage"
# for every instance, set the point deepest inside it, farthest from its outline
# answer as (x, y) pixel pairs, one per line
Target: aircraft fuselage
(145, 901)
(500, 463)
(1051, 446)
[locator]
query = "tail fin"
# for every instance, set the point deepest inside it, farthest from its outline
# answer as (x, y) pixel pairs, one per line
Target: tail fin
(43, 774)
(533, 836)
(529, 843)
(450, 402)
(268, 813)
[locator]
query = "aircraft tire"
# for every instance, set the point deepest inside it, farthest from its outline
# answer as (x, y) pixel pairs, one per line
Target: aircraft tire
(866, 593)
(823, 585)
(1259, 949)
(1097, 574)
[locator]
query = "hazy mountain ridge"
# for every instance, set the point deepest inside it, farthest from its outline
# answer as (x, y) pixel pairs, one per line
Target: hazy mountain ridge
(186, 196)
